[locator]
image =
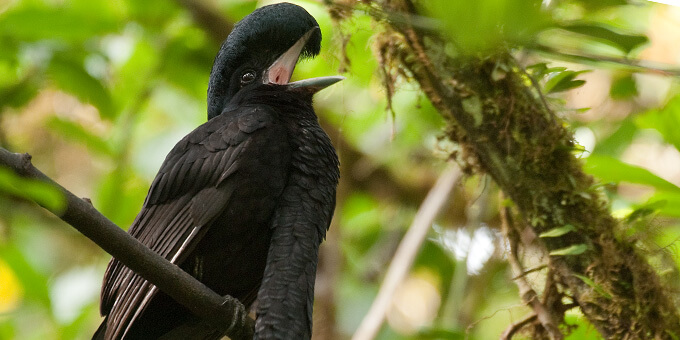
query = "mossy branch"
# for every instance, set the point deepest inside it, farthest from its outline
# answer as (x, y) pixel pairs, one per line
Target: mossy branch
(504, 129)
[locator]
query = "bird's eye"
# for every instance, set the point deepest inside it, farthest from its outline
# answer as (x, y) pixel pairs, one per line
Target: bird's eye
(248, 77)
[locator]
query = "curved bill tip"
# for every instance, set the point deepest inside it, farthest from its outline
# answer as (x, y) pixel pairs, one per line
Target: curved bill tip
(315, 84)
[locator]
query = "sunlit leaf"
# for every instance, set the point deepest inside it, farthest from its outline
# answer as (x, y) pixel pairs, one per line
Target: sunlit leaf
(43, 193)
(613, 170)
(33, 283)
(557, 232)
(645, 210)
(666, 203)
(440, 333)
(623, 88)
(7, 330)
(361, 212)
(34, 23)
(134, 77)
(154, 13)
(437, 258)
(11, 290)
(186, 59)
(582, 329)
(614, 144)
(572, 250)
(484, 25)
(21, 92)
(596, 5)
(537, 70)
(122, 182)
(665, 120)
(236, 10)
(563, 81)
(77, 133)
(80, 326)
(72, 77)
(624, 42)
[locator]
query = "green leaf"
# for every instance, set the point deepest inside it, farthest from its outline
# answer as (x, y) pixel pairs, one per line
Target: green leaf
(136, 75)
(7, 330)
(72, 77)
(594, 286)
(556, 69)
(645, 210)
(183, 63)
(440, 333)
(623, 88)
(616, 143)
(121, 182)
(236, 10)
(537, 70)
(557, 232)
(610, 169)
(666, 121)
(572, 250)
(563, 81)
(79, 327)
(580, 328)
(40, 192)
(665, 203)
(599, 4)
(624, 42)
(36, 23)
(21, 92)
(33, 282)
(76, 132)
(485, 25)
(155, 14)
(362, 213)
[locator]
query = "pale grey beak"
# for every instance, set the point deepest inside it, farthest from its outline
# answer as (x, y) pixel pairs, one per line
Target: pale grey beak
(282, 69)
(315, 84)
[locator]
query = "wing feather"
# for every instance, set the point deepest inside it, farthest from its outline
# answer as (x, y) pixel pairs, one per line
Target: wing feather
(186, 195)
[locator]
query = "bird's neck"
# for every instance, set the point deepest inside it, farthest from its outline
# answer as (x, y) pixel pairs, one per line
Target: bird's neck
(290, 104)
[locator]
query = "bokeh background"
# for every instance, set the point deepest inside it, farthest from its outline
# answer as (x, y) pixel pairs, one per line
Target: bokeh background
(99, 91)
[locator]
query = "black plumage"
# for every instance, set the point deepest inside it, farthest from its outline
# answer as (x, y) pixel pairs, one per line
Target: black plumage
(243, 201)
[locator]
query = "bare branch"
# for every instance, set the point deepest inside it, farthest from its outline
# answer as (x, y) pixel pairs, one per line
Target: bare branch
(225, 314)
(406, 252)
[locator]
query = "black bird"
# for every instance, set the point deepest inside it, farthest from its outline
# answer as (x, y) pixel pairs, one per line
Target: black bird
(243, 201)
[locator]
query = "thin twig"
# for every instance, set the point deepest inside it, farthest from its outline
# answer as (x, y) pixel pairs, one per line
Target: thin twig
(529, 271)
(406, 252)
(526, 292)
(225, 314)
(516, 327)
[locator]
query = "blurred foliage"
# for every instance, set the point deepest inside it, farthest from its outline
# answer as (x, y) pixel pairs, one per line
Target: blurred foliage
(99, 91)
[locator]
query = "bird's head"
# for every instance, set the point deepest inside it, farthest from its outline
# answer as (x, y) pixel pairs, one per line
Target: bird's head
(263, 48)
